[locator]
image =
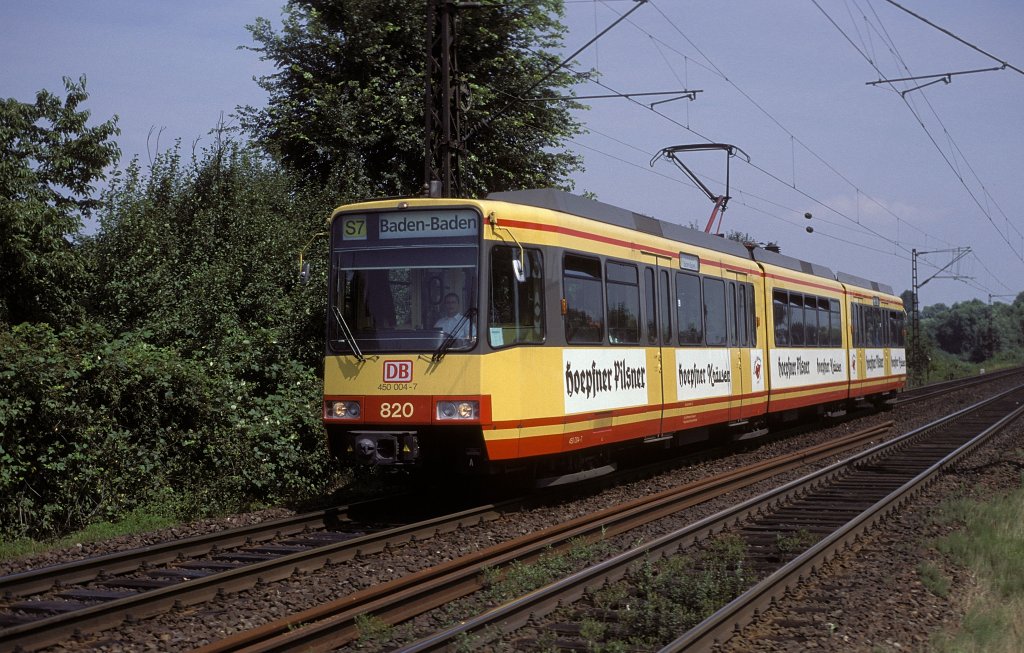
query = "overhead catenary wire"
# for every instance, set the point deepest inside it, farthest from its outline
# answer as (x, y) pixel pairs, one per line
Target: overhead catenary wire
(920, 121)
(945, 31)
(714, 69)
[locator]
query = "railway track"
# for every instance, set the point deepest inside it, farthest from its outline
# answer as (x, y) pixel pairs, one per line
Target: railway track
(46, 606)
(334, 624)
(942, 387)
(834, 505)
(92, 608)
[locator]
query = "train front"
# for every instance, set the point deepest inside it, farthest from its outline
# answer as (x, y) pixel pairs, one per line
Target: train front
(401, 381)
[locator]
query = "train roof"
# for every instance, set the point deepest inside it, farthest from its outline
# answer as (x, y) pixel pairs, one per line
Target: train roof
(853, 280)
(558, 200)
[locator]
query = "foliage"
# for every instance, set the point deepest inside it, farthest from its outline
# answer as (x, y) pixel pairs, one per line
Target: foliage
(50, 161)
(195, 385)
(170, 359)
(679, 592)
(989, 542)
(961, 339)
(347, 97)
(96, 426)
(203, 254)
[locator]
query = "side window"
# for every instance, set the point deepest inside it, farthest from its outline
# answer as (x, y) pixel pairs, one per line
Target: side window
(858, 326)
(742, 323)
(874, 324)
(516, 313)
(823, 326)
(715, 318)
(836, 332)
(623, 290)
(780, 315)
(752, 314)
(811, 321)
(584, 309)
(796, 319)
(731, 313)
(650, 297)
(689, 309)
(898, 321)
(666, 309)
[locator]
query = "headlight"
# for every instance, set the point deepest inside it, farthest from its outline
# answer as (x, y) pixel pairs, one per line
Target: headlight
(341, 409)
(447, 410)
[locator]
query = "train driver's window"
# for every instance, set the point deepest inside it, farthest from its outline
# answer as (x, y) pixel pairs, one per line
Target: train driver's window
(516, 311)
(584, 306)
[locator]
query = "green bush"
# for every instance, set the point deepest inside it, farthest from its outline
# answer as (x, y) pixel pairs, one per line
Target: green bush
(94, 426)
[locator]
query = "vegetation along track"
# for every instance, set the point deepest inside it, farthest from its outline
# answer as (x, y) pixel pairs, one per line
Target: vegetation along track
(828, 508)
(47, 605)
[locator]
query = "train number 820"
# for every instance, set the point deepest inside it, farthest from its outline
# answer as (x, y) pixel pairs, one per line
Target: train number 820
(396, 410)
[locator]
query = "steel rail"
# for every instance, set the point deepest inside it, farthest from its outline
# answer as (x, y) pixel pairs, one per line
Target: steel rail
(80, 571)
(515, 614)
(742, 610)
(944, 387)
(334, 624)
(57, 628)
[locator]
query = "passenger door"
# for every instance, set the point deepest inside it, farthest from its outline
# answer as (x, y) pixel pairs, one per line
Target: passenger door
(658, 331)
(738, 294)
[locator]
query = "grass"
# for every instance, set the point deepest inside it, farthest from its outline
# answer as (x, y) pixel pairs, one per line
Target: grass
(521, 578)
(139, 521)
(667, 596)
(933, 579)
(990, 544)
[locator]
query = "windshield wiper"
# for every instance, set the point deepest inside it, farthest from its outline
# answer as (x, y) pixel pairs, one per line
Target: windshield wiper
(347, 334)
(450, 338)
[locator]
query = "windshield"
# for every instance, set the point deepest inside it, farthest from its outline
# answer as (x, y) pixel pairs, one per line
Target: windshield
(413, 294)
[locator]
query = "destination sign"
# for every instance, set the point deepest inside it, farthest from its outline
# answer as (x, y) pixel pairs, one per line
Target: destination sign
(433, 224)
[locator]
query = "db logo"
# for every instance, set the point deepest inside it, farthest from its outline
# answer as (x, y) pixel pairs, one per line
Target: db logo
(397, 371)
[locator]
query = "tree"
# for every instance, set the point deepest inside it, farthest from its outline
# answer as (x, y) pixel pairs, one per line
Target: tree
(202, 255)
(347, 98)
(50, 161)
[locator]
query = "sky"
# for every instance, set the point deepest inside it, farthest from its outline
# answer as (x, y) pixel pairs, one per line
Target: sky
(882, 172)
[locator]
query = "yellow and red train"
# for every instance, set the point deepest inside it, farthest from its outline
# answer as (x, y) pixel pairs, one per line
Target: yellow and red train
(544, 333)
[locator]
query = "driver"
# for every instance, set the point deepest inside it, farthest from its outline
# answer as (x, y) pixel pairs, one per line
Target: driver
(452, 317)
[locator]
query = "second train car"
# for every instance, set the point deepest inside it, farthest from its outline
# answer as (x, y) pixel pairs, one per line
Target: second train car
(543, 333)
